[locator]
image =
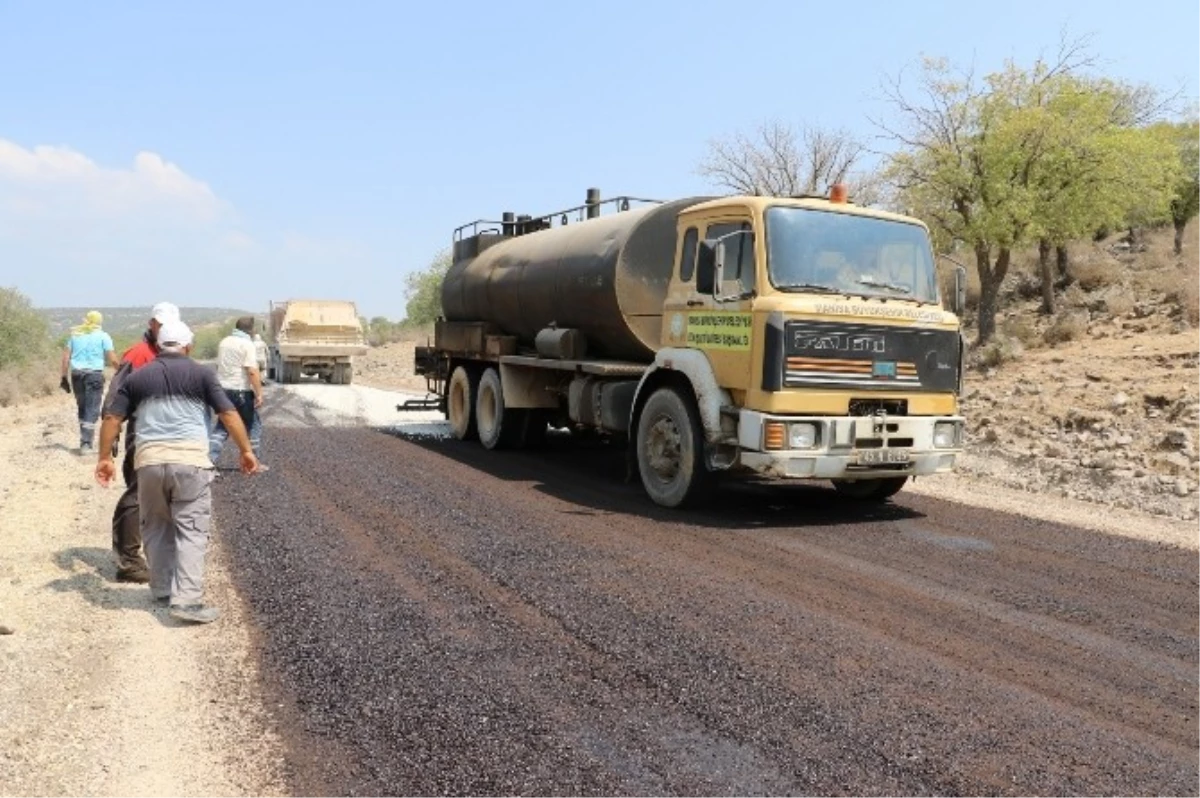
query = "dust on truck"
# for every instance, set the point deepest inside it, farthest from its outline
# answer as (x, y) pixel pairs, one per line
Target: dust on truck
(314, 337)
(788, 339)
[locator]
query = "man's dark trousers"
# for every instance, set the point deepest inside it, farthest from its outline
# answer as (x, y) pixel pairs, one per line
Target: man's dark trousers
(127, 522)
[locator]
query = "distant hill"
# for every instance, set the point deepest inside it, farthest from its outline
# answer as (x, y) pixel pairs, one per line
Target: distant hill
(128, 323)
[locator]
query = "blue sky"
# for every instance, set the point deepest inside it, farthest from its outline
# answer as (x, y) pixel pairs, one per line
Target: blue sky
(230, 153)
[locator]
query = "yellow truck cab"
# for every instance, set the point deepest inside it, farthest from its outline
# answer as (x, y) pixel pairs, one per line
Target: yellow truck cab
(823, 322)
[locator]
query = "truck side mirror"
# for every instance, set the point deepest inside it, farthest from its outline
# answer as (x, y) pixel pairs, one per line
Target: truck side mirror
(728, 289)
(960, 291)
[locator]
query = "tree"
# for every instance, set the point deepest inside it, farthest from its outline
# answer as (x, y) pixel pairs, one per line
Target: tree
(424, 291)
(1025, 155)
(1100, 163)
(1185, 200)
(775, 161)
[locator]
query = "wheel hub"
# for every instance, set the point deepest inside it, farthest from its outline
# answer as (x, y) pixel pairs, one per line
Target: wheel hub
(662, 448)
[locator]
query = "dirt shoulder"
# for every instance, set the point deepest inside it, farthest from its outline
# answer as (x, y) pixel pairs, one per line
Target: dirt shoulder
(103, 693)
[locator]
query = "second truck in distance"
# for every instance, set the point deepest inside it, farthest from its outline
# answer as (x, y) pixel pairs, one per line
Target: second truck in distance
(314, 337)
(800, 338)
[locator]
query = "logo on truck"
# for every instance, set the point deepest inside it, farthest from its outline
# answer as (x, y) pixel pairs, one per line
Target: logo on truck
(839, 342)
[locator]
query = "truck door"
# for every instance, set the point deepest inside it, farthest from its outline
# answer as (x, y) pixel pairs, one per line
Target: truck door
(697, 315)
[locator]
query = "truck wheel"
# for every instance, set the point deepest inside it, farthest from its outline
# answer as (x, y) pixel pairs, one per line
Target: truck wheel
(460, 403)
(670, 450)
(347, 373)
(870, 490)
(499, 428)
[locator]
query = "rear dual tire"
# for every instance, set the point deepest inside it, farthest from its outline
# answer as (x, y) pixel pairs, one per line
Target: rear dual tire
(476, 411)
(499, 427)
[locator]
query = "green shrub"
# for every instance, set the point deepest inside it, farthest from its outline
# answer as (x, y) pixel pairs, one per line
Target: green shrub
(24, 333)
(29, 357)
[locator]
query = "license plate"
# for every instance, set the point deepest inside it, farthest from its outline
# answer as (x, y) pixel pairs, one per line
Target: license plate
(883, 456)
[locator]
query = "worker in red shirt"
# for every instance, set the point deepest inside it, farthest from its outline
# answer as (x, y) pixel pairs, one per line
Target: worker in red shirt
(126, 523)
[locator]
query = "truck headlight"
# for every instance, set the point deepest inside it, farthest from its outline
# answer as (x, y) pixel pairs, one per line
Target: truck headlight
(945, 435)
(802, 436)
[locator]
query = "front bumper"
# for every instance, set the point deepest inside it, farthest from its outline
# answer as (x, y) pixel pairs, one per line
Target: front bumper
(850, 447)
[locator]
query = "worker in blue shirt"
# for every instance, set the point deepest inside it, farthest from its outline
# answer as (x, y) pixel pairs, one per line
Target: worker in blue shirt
(87, 351)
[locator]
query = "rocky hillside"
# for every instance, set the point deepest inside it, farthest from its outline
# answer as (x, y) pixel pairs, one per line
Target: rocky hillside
(1098, 402)
(129, 323)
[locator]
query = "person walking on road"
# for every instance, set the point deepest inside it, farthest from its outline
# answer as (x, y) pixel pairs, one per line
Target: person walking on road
(237, 372)
(171, 396)
(87, 351)
(126, 522)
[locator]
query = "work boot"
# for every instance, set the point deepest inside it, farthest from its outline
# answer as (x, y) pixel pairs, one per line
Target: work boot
(136, 574)
(194, 613)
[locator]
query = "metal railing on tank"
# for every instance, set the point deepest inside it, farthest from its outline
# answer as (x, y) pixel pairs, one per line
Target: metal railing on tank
(511, 224)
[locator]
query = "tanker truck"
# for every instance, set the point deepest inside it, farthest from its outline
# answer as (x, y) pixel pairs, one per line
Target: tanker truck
(784, 339)
(314, 337)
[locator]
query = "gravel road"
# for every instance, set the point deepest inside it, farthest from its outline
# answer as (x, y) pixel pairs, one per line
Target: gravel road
(433, 618)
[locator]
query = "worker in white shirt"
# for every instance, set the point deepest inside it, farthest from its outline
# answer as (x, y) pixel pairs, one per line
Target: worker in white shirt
(239, 376)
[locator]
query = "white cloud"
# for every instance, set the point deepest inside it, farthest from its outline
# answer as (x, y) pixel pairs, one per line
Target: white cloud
(73, 182)
(75, 232)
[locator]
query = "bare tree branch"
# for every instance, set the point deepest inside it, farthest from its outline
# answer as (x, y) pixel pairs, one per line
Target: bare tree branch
(774, 161)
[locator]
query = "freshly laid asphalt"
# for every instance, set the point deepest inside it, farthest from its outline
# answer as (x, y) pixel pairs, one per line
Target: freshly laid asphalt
(436, 619)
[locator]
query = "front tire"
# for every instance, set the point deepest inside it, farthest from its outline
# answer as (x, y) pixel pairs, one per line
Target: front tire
(870, 490)
(460, 403)
(670, 450)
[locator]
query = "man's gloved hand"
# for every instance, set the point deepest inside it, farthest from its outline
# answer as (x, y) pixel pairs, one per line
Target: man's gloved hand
(65, 384)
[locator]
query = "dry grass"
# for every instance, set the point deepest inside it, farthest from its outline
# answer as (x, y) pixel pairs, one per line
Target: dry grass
(1119, 303)
(1095, 270)
(18, 383)
(1067, 326)
(998, 351)
(1185, 291)
(1022, 329)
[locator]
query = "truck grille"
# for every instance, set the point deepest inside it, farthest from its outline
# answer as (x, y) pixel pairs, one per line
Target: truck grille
(823, 354)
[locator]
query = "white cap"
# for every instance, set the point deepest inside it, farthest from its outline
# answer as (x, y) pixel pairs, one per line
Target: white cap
(164, 312)
(174, 333)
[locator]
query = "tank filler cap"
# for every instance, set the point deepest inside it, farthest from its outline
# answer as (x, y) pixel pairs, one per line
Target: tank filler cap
(838, 193)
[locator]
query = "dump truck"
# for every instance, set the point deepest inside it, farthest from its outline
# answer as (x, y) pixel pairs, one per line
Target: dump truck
(314, 337)
(800, 338)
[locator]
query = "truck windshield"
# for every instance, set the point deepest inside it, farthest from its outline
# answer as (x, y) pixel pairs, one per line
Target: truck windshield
(827, 252)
